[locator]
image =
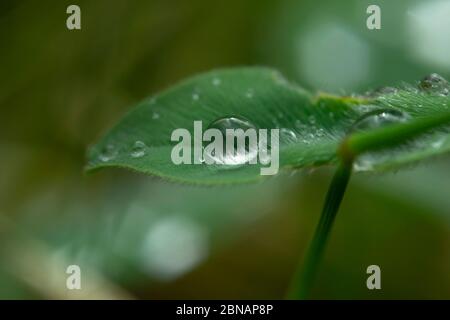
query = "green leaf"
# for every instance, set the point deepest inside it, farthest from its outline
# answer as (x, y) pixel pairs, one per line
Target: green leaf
(312, 127)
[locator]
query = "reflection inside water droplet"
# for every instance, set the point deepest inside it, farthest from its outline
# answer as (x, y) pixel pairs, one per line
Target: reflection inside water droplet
(241, 152)
(435, 84)
(287, 136)
(138, 150)
(379, 118)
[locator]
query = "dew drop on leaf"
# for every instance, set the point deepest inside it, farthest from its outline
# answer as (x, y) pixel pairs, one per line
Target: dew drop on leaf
(216, 82)
(382, 91)
(372, 120)
(364, 163)
(320, 132)
(287, 135)
(438, 144)
(108, 153)
(238, 156)
(435, 84)
(378, 118)
(138, 150)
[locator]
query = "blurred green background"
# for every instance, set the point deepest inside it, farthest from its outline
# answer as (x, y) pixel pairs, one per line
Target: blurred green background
(139, 237)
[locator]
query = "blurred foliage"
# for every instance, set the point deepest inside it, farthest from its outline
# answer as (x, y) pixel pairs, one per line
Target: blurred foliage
(61, 89)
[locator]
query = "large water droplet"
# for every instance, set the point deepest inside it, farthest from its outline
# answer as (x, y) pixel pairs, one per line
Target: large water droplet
(435, 84)
(287, 135)
(138, 150)
(108, 153)
(238, 156)
(379, 118)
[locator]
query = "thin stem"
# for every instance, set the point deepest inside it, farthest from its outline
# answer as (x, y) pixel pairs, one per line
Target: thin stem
(389, 136)
(353, 146)
(303, 281)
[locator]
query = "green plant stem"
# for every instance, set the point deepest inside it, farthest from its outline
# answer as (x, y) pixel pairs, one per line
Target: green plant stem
(353, 146)
(304, 280)
(389, 136)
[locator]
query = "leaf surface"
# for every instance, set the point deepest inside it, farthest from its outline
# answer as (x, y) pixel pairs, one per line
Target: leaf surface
(311, 126)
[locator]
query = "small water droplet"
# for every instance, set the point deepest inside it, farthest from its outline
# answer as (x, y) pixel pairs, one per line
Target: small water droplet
(155, 115)
(382, 91)
(216, 81)
(435, 84)
(249, 94)
(287, 135)
(364, 163)
(379, 118)
(438, 144)
(138, 150)
(195, 96)
(320, 132)
(108, 153)
(366, 108)
(312, 119)
(237, 156)
(372, 120)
